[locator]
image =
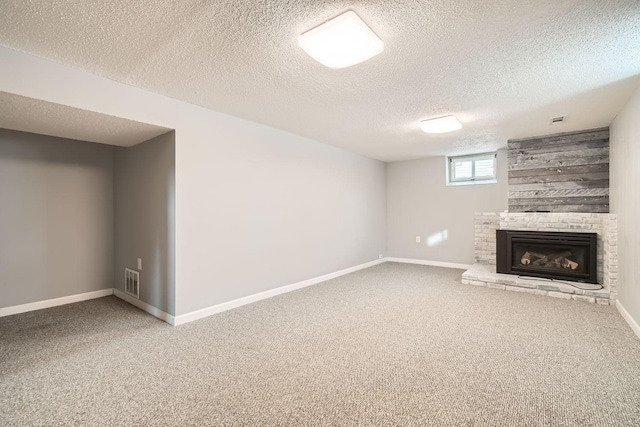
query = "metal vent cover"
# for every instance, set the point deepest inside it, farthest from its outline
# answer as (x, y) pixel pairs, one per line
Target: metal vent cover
(132, 282)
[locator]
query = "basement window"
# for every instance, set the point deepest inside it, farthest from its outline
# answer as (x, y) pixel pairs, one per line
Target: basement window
(473, 169)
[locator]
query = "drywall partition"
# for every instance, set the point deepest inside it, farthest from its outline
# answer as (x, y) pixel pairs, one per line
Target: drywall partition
(564, 172)
(56, 217)
(256, 207)
(144, 207)
(625, 203)
(269, 208)
(420, 203)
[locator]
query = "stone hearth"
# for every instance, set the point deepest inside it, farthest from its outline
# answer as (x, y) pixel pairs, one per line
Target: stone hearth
(483, 272)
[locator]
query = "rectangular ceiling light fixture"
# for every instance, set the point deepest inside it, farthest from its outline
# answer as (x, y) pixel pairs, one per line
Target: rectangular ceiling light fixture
(441, 124)
(341, 42)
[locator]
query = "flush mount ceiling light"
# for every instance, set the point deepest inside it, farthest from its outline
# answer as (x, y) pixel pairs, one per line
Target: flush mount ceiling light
(441, 124)
(341, 42)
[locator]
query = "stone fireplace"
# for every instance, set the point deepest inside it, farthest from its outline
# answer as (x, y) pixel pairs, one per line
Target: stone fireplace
(587, 237)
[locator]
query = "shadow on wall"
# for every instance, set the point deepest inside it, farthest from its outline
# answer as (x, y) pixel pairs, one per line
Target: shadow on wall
(145, 218)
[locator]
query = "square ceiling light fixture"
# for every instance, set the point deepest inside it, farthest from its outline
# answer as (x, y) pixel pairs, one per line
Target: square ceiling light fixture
(341, 42)
(441, 124)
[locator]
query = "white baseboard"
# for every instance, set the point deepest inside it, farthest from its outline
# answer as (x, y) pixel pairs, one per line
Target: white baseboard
(39, 305)
(432, 263)
(625, 314)
(205, 312)
(154, 311)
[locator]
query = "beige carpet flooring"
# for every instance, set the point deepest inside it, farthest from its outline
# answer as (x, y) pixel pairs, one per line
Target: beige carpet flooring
(393, 345)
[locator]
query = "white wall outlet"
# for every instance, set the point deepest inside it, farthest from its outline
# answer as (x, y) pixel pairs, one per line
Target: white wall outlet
(139, 263)
(417, 239)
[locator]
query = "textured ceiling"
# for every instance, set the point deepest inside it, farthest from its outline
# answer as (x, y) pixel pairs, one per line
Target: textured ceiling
(46, 118)
(503, 67)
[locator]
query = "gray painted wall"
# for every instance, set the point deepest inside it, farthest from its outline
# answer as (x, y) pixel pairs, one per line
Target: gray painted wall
(56, 217)
(259, 208)
(625, 201)
(145, 218)
(419, 203)
(256, 207)
(564, 172)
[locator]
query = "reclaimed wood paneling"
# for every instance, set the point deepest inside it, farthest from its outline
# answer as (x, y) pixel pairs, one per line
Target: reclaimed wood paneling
(559, 178)
(602, 167)
(560, 185)
(566, 172)
(551, 148)
(559, 193)
(560, 138)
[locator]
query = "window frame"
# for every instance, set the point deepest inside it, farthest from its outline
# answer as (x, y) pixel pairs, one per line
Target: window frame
(473, 179)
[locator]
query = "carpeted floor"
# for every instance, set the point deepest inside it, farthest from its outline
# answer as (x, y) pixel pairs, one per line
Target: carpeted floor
(393, 345)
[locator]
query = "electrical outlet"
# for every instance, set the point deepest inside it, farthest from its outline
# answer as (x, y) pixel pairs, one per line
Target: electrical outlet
(417, 239)
(139, 263)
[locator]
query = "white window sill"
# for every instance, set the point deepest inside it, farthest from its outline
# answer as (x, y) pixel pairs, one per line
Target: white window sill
(482, 181)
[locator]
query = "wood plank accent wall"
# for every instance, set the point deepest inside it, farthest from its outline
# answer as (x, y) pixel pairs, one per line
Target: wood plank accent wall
(565, 172)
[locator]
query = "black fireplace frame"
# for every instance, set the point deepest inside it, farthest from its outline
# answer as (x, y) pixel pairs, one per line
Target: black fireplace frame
(504, 253)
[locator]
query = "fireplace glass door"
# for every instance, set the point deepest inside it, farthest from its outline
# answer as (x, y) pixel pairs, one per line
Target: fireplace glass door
(548, 258)
(568, 256)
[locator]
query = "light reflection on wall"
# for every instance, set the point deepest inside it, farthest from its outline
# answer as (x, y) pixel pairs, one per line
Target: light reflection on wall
(437, 238)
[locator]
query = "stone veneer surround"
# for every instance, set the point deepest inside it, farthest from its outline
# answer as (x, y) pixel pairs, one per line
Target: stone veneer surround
(604, 225)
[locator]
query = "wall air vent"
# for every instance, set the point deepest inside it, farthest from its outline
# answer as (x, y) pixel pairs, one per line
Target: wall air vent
(558, 120)
(132, 282)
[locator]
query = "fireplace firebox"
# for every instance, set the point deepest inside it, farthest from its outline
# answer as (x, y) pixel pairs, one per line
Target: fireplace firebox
(554, 255)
